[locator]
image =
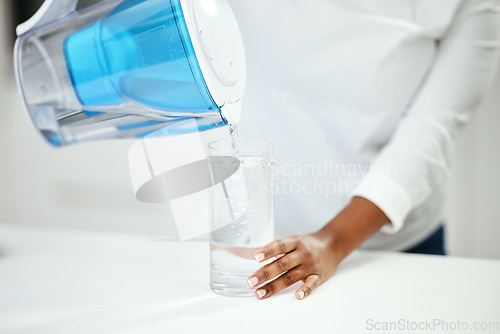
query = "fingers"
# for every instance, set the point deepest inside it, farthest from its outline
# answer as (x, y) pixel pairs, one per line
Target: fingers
(274, 269)
(282, 282)
(311, 282)
(293, 262)
(277, 247)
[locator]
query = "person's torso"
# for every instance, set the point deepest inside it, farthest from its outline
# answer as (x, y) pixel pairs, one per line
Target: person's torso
(328, 81)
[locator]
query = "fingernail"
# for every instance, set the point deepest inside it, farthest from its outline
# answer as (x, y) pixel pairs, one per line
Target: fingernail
(259, 257)
(301, 294)
(261, 293)
(253, 281)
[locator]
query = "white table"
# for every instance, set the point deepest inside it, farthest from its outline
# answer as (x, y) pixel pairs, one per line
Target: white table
(72, 282)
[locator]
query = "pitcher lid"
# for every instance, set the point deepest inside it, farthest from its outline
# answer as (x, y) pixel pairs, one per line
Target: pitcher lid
(218, 45)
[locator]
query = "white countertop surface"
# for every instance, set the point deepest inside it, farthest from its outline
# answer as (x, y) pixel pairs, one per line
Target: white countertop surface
(67, 281)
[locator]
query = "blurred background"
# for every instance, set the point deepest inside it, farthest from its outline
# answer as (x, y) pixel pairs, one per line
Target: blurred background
(87, 186)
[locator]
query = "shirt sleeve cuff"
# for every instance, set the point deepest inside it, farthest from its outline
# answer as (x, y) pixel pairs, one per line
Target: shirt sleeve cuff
(389, 196)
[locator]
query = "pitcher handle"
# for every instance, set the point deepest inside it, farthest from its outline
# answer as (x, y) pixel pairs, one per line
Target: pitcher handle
(50, 11)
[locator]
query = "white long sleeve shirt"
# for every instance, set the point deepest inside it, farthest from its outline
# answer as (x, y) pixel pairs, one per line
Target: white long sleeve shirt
(364, 98)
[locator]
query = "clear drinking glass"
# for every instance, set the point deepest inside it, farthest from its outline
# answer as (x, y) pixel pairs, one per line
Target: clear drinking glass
(241, 210)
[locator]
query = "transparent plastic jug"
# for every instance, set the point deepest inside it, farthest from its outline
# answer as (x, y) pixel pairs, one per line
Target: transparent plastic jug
(129, 68)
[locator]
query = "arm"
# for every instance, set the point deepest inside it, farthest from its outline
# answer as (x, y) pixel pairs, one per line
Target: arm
(357, 222)
(420, 148)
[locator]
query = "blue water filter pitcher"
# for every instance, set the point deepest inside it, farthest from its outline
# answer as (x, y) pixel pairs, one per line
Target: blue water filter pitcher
(130, 68)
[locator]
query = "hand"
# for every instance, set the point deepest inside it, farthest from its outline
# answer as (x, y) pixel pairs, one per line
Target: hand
(313, 258)
(310, 258)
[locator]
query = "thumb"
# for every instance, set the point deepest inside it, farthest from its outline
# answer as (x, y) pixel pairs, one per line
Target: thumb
(311, 282)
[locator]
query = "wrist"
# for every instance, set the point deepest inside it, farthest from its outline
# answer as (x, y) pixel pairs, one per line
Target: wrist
(357, 222)
(331, 243)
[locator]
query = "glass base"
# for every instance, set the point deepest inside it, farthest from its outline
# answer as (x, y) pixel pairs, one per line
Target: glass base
(232, 285)
(231, 291)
